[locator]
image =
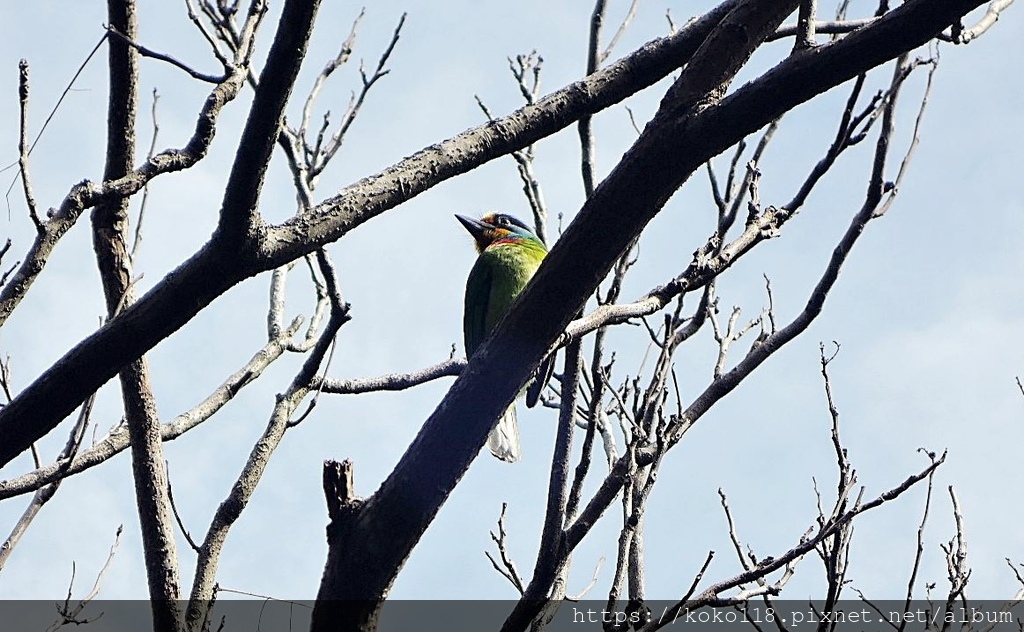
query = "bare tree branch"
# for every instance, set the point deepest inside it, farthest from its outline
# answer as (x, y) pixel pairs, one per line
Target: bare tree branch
(837, 27)
(806, 25)
(369, 539)
(626, 21)
(23, 149)
(393, 382)
(44, 494)
(70, 614)
(463, 419)
(137, 241)
(507, 568)
(551, 554)
(307, 159)
(113, 259)
(60, 100)
(959, 573)
(147, 52)
(88, 194)
(177, 516)
(764, 347)
(712, 596)
(204, 586)
(117, 440)
(219, 265)
(526, 70)
(962, 35)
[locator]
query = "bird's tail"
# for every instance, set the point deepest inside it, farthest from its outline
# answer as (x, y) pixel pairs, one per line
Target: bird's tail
(503, 441)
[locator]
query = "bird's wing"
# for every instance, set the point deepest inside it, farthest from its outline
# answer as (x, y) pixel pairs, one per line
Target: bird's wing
(478, 297)
(497, 277)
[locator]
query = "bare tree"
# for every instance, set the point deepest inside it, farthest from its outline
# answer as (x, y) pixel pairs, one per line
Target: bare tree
(634, 416)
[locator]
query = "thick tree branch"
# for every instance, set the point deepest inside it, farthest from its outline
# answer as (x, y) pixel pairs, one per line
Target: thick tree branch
(608, 222)
(110, 232)
(360, 202)
(218, 266)
(215, 268)
(86, 194)
(240, 224)
(204, 586)
(410, 497)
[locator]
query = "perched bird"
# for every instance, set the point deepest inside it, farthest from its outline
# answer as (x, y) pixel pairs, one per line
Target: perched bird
(509, 255)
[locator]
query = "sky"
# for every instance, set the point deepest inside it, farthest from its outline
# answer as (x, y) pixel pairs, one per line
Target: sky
(928, 311)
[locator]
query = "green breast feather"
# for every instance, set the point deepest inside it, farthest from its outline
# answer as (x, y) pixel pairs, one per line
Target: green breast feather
(499, 275)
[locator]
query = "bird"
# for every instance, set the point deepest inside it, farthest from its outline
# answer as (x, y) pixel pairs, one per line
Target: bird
(508, 255)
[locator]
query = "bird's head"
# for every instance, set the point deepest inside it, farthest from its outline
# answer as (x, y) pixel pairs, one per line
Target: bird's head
(496, 228)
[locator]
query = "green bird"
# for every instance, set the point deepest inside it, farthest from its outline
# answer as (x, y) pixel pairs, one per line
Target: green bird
(509, 254)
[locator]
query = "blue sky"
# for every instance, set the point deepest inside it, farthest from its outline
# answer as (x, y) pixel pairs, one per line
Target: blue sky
(928, 310)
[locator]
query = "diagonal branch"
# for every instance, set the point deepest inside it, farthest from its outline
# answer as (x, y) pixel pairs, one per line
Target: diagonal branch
(184, 292)
(218, 266)
(204, 587)
(117, 440)
(420, 483)
(148, 52)
(45, 493)
(240, 224)
(86, 195)
(764, 348)
(579, 258)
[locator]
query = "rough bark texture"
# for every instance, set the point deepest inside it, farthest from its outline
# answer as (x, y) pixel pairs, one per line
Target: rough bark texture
(110, 231)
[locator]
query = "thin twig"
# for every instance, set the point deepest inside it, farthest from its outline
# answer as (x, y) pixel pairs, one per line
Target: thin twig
(626, 21)
(44, 494)
(69, 614)
(60, 100)
(177, 516)
(204, 586)
(117, 440)
(507, 568)
(148, 52)
(919, 550)
(23, 150)
(137, 241)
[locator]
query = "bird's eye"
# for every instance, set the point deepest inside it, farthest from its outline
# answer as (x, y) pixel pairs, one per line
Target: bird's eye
(502, 221)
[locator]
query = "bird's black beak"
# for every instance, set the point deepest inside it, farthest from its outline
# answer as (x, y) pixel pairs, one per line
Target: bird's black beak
(477, 229)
